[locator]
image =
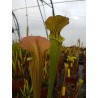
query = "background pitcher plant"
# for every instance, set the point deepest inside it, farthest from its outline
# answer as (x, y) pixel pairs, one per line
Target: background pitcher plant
(37, 45)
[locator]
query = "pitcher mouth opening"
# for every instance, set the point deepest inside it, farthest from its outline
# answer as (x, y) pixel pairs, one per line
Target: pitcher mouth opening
(61, 39)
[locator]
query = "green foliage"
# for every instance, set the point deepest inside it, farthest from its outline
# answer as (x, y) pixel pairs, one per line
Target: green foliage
(71, 58)
(27, 90)
(19, 58)
(55, 51)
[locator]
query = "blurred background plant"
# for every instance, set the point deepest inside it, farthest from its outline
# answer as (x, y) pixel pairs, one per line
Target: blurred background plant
(19, 61)
(37, 45)
(27, 90)
(20, 66)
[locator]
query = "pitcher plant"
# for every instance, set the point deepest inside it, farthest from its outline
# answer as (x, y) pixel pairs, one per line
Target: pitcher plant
(37, 45)
(55, 24)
